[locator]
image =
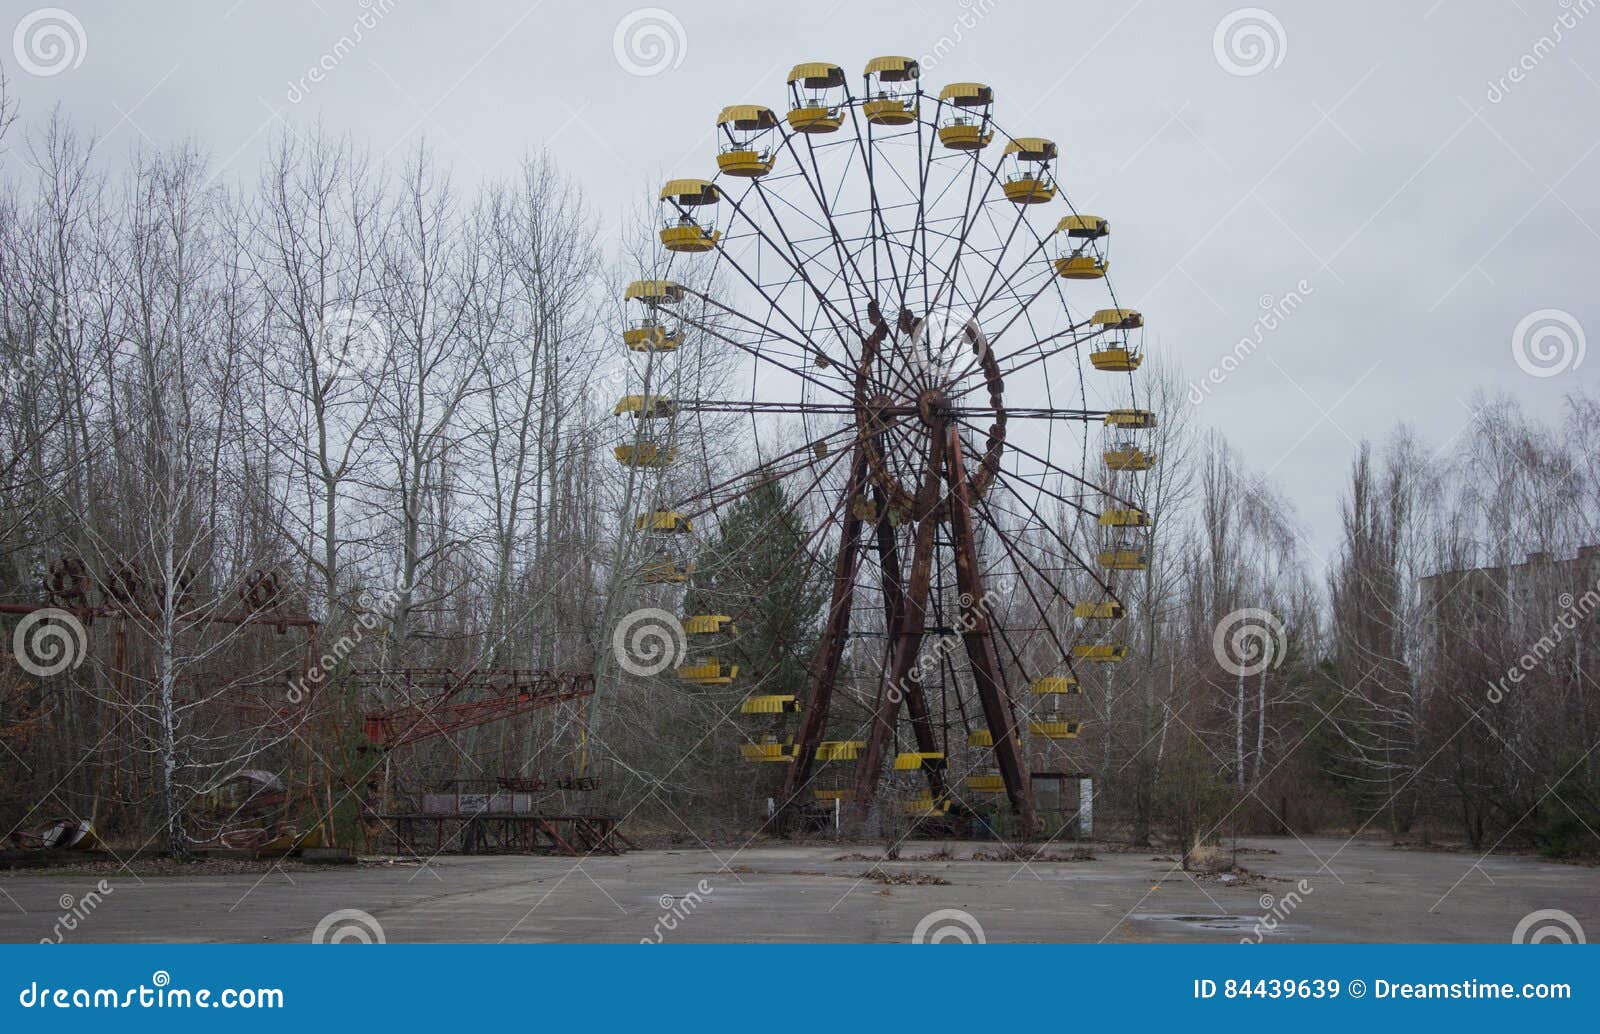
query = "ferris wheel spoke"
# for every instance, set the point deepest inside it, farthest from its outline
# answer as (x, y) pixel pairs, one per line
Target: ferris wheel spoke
(749, 480)
(1085, 566)
(756, 351)
(1039, 605)
(1098, 489)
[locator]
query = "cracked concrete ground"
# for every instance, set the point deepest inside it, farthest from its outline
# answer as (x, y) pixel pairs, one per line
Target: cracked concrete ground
(1360, 890)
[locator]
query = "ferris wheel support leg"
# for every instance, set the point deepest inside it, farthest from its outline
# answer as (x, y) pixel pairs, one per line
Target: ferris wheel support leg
(825, 665)
(906, 643)
(978, 637)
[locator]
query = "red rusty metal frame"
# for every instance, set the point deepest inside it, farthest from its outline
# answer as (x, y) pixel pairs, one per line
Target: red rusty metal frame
(521, 691)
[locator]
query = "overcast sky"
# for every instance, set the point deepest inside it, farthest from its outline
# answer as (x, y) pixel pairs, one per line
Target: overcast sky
(1382, 153)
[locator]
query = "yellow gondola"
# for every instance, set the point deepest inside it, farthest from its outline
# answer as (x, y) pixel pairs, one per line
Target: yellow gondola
(1084, 255)
(840, 750)
(913, 761)
(665, 522)
(968, 127)
(667, 572)
(1137, 419)
(986, 783)
(980, 738)
(1054, 685)
(645, 454)
(1052, 730)
(1128, 456)
(1125, 557)
(746, 149)
(1100, 653)
(769, 704)
(649, 334)
(1106, 611)
(644, 407)
(1115, 350)
(709, 624)
(1125, 518)
(681, 229)
(654, 292)
(891, 91)
(767, 748)
(1028, 166)
(817, 89)
(924, 806)
(708, 671)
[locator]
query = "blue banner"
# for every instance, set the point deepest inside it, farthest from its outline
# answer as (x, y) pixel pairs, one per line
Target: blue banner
(784, 988)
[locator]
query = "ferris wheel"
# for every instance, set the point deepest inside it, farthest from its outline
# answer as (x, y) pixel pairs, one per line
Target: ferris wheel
(927, 353)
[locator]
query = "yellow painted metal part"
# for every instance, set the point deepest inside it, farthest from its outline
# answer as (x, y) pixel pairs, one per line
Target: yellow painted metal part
(986, 784)
(769, 705)
(666, 521)
(654, 292)
(815, 119)
(1115, 360)
(965, 136)
(1051, 685)
(890, 111)
(645, 454)
(1118, 319)
(1088, 226)
(747, 118)
(767, 749)
(1125, 518)
(690, 239)
(816, 75)
(925, 807)
(1029, 190)
(1055, 730)
(1124, 559)
(667, 572)
(691, 192)
(709, 671)
(1081, 267)
(912, 761)
(645, 407)
(1102, 653)
(709, 624)
(650, 337)
(980, 738)
(1131, 458)
(840, 750)
(1135, 418)
(1110, 610)
(746, 162)
(1032, 149)
(967, 95)
(893, 69)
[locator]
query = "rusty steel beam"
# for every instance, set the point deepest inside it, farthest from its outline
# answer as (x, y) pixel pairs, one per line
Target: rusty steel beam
(825, 665)
(978, 638)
